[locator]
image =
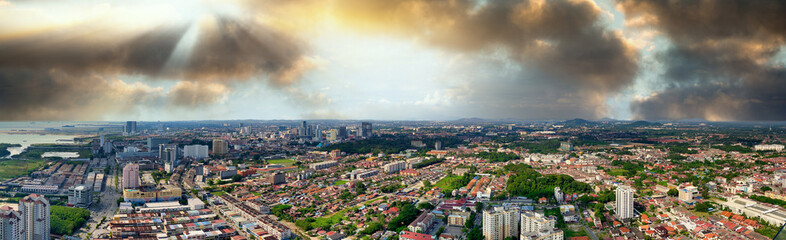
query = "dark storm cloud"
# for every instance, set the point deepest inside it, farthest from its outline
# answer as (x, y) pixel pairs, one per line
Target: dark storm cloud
(53, 94)
(721, 63)
(75, 50)
(62, 73)
(224, 50)
(563, 39)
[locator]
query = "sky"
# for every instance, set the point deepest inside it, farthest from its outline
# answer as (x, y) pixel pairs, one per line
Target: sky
(392, 59)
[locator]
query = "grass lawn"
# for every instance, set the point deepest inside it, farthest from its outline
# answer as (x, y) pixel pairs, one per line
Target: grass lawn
(615, 172)
(283, 162)
(446, 181)
(340, 182)
(12, 168)
(371, 201)
(332, 219)
(700, 214)
(219, 193)
(574, 231)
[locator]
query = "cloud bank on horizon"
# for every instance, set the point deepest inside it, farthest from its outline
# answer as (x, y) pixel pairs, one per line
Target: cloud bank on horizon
(386, 59)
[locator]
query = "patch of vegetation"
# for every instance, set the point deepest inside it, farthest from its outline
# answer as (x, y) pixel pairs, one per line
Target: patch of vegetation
(528, 182)
(734, 148)
(4, 148)
(12, 168)
(427, 163)
(283, 162)
(452, 182)
(391, 188)
(280, 211)
(387, 146)
(494, 157)
(66, 220)
(407, 214)
(159, 175)
(545, 147)
(340, 182)
(768, 200)
(323, 222)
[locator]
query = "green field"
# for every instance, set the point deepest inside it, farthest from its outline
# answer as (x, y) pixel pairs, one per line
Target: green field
(323, 222)
(615, 172)
(283, 162)
(12, 168)
(446, 181)
(340, 182)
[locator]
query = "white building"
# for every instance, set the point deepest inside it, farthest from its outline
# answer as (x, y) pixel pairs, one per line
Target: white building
(360, 174)
(559, 195)
(35, 217)
(624, 204)
(195, 151)
(394, 167)
(771, 214)
(80, 196)
(532, 221)
(545, 234)
(500, 223)
(323, 165)
(687, 194)
(10, 224)
(768, 147)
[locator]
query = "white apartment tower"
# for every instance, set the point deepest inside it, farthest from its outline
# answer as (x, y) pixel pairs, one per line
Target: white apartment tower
(559, 195)
(35, 217)
(625, 202)
(536, 226)
(500, 222)
(10, 224)
(532, 221)
(195, 151)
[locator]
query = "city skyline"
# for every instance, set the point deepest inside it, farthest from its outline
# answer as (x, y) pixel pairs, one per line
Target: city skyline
(392, 60)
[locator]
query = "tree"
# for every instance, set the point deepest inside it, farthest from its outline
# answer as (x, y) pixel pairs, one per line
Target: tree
(360, 188)
(426, 184)
(673, 192)
(66, 220)
(237, 178)
(766, 189)
(425, 206)
(475, 234)
(703, 206)
(407, 214)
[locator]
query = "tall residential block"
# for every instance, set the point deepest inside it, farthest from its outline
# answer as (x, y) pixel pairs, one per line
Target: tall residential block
(131, 176)
(500, 223)
(195, 151)
(10, 224)
(624, 202)
(35, 217)
(129, 128)
(365, 130)
(220, 147)
(536, 226)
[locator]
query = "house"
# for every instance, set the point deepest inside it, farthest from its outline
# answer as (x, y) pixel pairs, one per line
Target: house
(407, 235)
(336, 236)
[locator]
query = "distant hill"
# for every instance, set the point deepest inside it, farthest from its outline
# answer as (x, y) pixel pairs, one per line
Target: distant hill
(644, 124)
(578, 122)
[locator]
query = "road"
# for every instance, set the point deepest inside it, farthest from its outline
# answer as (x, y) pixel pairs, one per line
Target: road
(586, 225)
(105, 208)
